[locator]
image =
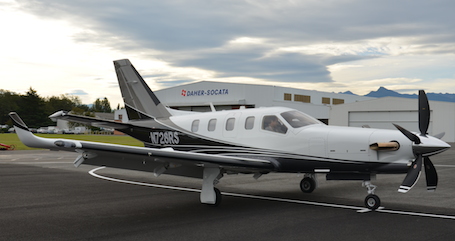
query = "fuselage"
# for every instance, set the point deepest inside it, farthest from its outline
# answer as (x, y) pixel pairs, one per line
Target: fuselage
(300, 144)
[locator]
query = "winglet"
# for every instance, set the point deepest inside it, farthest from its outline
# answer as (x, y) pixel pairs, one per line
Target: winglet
(140, 101)
(27, 137)
(18, 122)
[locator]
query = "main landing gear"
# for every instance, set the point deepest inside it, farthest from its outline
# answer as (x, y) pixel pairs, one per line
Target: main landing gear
(372, 201)
(308, 183)
(211, 195)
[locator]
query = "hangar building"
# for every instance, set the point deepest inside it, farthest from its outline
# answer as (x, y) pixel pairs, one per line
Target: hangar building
(225, 96)
(331, 108)
(382, 112)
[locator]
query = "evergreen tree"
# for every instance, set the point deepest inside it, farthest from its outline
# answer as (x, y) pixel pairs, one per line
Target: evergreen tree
(32, 109)
(63, 102)
(8, 102)
(106, 106)
(101, 106)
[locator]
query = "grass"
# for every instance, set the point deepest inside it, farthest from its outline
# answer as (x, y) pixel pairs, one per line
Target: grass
(13, 139)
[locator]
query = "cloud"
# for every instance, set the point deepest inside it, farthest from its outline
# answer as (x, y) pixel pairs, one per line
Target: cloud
(318, 44)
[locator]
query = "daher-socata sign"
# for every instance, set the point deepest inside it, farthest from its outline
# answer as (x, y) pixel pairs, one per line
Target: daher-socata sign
(205, 92)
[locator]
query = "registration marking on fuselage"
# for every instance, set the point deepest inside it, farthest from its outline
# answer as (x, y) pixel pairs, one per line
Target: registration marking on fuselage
(359, 209)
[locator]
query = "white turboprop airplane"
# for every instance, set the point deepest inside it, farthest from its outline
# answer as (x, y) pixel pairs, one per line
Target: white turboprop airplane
(248, 141)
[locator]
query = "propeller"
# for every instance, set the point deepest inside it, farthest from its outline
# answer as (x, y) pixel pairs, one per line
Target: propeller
(419, 151)
(430, 174)
(424, 113)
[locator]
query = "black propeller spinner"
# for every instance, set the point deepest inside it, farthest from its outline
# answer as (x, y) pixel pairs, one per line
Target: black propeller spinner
(416, 167)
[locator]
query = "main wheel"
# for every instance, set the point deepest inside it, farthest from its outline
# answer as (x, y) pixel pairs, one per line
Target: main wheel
(372, 202)
(217, 198)
(307, 185)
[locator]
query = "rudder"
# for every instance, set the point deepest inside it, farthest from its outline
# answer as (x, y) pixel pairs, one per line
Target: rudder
(140, 101)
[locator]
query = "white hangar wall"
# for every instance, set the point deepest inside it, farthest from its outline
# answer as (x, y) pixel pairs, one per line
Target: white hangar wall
(198, 96)
(382, 112)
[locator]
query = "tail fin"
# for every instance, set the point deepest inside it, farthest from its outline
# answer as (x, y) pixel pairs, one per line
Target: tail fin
(140, 101)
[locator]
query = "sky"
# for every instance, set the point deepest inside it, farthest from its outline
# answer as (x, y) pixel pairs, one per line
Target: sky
(67, 47)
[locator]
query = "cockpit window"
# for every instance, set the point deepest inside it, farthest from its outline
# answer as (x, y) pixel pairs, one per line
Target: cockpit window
(272, 123)
(297, 119)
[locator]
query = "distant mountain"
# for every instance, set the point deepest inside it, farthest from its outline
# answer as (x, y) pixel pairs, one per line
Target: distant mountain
(347, 93)
(383, 92)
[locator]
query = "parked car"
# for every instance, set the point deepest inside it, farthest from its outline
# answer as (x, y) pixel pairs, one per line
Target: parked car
(42, 130)
(68, 131)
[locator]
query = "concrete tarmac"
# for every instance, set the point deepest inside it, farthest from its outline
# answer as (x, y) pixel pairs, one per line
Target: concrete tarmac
(44, 197)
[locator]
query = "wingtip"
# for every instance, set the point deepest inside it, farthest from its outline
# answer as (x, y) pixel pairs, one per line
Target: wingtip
(17, 121)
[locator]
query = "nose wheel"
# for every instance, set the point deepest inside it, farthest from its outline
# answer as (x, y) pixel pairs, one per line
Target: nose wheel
(372, 201)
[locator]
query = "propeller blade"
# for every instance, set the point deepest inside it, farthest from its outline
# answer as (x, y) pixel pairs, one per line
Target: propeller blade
(412, 176)
(430, 174)
(408, 134)
(424, 113)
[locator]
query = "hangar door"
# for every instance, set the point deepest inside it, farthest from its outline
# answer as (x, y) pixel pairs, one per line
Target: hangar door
(384, 119)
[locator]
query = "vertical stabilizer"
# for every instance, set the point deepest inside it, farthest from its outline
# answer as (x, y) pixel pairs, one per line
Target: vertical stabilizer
(140, 101)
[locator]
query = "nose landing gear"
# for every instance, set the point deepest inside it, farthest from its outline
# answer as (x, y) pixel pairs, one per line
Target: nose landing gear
(372, 201)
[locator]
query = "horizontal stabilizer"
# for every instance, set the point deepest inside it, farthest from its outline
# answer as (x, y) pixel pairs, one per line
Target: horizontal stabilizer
(62, 115)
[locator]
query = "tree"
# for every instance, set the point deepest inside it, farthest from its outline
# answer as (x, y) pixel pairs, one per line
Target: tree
(101, 106)
(32, 109)
(106, 105)
(8, 102)
(62, 102)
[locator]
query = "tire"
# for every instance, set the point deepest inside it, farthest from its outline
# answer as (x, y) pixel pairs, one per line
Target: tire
(217, 198)
(307, 185)
(372, 202)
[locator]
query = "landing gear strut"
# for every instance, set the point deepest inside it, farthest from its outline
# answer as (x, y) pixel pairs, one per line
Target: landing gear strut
(308, 183)
(209, 194)
(372, 201)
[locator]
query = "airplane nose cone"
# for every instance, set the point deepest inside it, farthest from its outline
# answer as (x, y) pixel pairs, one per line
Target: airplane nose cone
(430, 146)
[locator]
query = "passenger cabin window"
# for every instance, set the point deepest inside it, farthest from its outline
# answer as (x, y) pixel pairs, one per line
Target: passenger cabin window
(298, 119)
(230, 124)
(272, 123)
(249, 123)
(212, 125)
(195, 126)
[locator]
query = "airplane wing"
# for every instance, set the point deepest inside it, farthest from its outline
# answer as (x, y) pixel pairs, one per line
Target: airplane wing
(155, 160)
(63, 115)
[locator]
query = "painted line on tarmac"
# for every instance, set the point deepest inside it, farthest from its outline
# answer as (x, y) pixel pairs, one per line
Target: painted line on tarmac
(359, 209)
(42, 163)
(444, 165)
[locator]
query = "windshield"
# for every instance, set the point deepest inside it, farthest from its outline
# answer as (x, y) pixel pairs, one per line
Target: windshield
(297, 119)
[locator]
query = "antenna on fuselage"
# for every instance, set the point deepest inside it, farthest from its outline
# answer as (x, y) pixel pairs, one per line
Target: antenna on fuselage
(212, 107)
